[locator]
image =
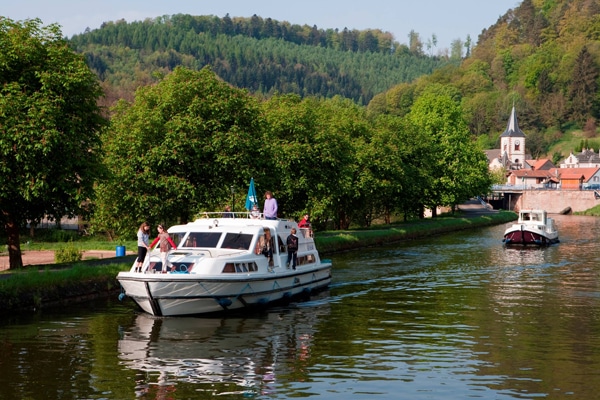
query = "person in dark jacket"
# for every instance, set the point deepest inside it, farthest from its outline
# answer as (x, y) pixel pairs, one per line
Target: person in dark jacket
(292, 248)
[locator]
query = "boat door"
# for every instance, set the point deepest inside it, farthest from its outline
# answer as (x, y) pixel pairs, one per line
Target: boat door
(282, 251)
(272, 246)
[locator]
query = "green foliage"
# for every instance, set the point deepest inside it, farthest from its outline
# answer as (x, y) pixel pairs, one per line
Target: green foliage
(55, 235)
(459, 168)
(68, 254)
(50, 123)
(265, 58)
(543, 55)
(177, 149)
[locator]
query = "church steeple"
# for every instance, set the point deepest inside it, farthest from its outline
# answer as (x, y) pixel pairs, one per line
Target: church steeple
(512, 142)
(512, 128)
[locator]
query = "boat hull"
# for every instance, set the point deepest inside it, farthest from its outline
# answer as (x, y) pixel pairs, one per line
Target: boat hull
(186, 295)
(528, 237)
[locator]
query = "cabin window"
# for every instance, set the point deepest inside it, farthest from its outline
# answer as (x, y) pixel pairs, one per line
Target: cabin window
(239, 241)
(202, 239)
(307, 259)
(240, 268)
(282, 245)
(177, 237)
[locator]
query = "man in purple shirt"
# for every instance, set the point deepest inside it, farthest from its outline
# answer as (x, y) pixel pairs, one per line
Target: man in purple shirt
(270, 207)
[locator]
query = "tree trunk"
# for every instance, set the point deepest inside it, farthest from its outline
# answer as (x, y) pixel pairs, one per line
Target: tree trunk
(14, 247)
(434, 212)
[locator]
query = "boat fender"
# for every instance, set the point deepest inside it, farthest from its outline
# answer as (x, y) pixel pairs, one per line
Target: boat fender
(224, 302)
(122, 296)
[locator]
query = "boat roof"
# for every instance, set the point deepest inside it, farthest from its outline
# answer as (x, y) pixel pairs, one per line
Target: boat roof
(236, 223)
(534, 211)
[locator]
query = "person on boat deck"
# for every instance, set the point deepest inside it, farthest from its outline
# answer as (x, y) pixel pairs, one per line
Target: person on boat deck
(143, 242)
(304, 222)
(270, 206)
(268, 244)
(255, 213)
(227, 213)
(292, 248)
(164, 240)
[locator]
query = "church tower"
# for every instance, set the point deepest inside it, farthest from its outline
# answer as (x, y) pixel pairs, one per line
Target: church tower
(512, 143)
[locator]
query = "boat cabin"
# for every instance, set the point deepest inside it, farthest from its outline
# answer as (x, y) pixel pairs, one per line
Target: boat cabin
(252, 242)
(533, 217)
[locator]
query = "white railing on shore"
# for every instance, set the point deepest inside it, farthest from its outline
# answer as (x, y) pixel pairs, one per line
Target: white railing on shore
(509, 188)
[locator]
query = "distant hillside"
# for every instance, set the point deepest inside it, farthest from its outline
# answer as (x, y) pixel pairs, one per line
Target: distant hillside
(262, 55)
(543, 57)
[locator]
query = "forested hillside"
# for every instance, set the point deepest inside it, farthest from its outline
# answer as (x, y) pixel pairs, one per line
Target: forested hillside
(262, 55)
(543, 57)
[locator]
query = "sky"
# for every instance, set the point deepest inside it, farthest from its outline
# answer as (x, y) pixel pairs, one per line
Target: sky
(446, 19)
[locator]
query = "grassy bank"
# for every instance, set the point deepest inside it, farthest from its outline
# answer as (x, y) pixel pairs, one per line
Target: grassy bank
(32, 289)
(594, 212)
(335, 241)
(35, 288)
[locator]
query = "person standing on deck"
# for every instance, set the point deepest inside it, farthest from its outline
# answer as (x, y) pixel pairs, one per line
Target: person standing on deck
(270, 206)
(292, 248)
(304, 222)
(164, 241)
(143, 237)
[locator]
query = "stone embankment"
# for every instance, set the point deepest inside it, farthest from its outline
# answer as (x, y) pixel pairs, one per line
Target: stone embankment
(554, 201)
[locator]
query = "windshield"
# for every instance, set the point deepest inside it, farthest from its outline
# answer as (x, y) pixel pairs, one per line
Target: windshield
(240, 241)
(202, 239)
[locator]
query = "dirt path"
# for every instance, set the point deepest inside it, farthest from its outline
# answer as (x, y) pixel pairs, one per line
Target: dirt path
(47, 257)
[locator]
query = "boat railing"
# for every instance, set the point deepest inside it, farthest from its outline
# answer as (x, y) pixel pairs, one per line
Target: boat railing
(231, 214)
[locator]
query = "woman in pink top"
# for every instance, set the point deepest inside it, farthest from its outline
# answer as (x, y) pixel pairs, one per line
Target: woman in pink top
(164, 241)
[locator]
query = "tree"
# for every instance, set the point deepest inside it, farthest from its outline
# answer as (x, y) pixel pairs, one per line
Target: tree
(177, 150)
(414, 43)
(582, 90)
(460, 169)
(49, 128)
(456, 49)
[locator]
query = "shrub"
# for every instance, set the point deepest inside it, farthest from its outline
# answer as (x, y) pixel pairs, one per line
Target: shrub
(68, 254)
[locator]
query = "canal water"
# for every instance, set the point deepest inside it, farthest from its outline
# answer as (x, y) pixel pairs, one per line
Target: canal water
(450, 317)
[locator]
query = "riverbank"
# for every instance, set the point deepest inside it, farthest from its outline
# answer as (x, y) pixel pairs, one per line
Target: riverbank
(46, 257)
(45, 286)
(470, 216)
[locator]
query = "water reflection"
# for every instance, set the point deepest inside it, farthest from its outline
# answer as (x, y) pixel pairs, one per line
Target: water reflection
(451, 317)
(247, 354)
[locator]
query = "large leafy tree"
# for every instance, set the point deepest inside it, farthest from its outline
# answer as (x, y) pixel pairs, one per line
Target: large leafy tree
(311, 145)
(460, 169)
(49, 128)
(176, 150)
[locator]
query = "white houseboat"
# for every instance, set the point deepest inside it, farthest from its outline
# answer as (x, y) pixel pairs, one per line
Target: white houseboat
(226, 264)
(533, 227)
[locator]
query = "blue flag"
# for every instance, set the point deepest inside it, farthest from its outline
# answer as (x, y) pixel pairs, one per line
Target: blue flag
(251, 199)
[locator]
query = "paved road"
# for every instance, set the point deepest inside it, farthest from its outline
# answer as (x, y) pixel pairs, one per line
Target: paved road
(474, 208)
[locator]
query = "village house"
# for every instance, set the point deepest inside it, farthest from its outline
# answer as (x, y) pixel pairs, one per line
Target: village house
(577, 172)
(586, 159)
